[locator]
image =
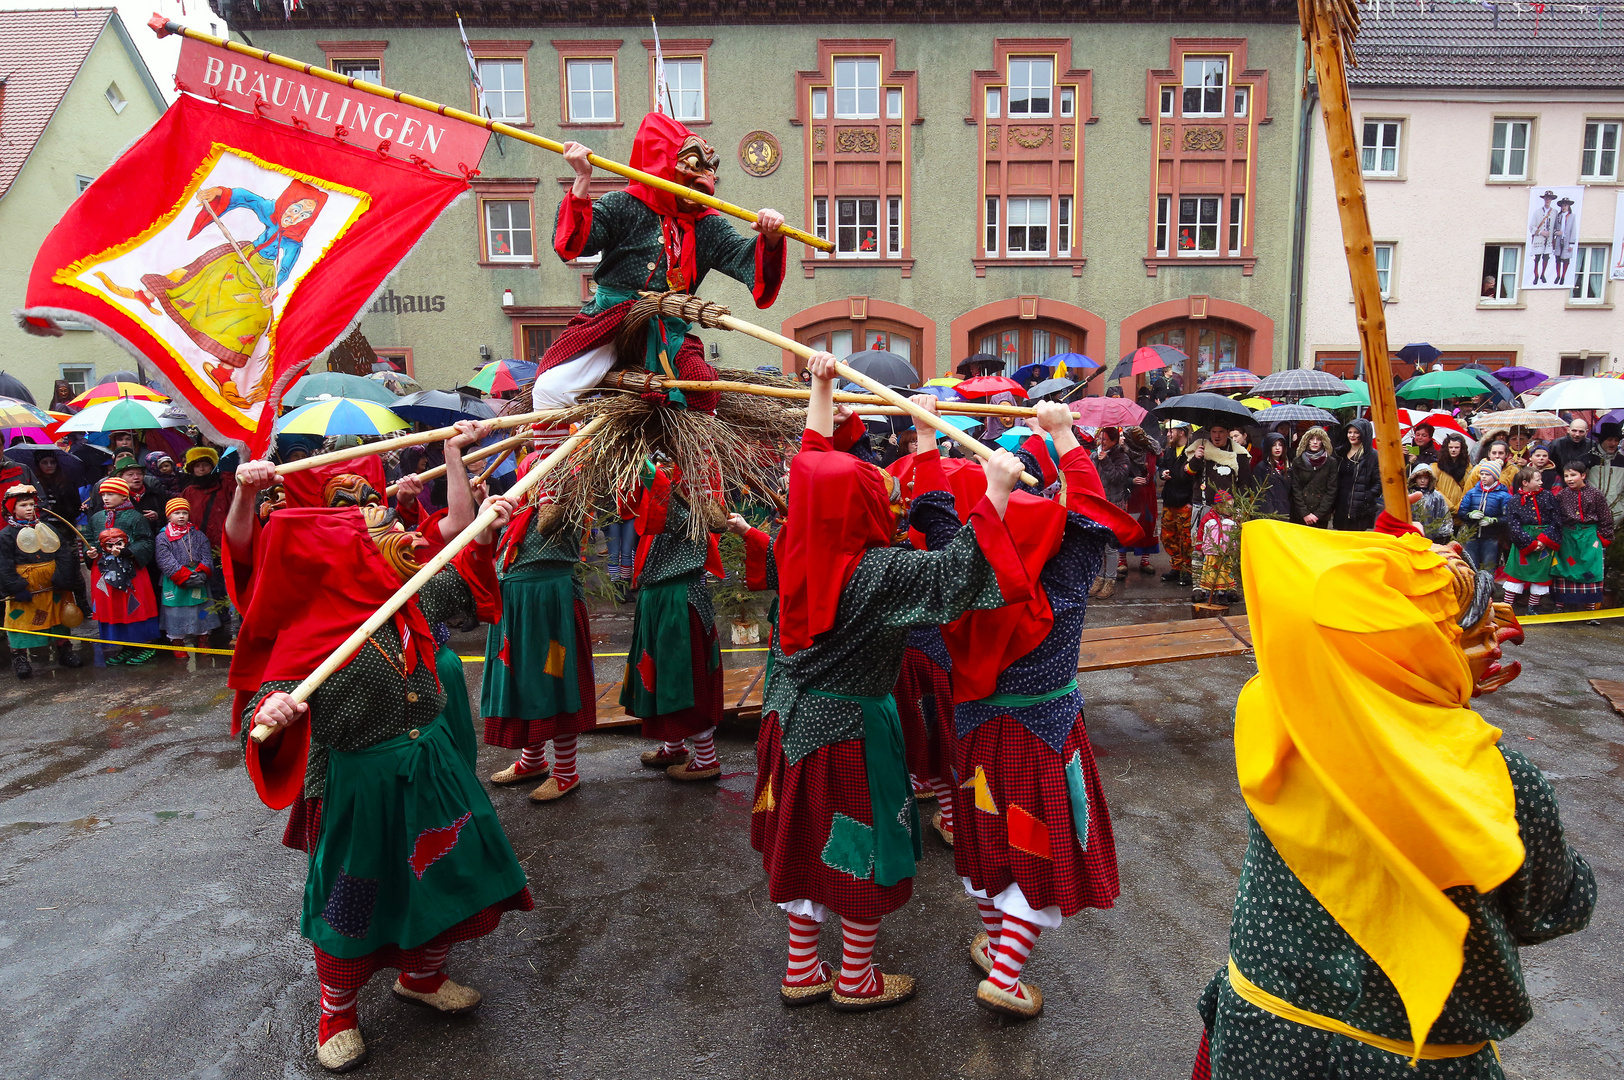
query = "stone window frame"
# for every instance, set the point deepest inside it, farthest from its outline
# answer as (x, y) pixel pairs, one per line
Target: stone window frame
(587, 49)
(506, 49)
(334, 51)
(684, 49)
(508, 189)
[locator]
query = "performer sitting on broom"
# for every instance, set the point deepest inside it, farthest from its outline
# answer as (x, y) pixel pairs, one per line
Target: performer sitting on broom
(834, 815)
(1034, 841)
(538, 678)
(1400, 853)
(406, 855)
(651, 239)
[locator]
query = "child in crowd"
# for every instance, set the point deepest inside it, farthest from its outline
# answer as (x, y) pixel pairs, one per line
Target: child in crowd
(1536, 533)
(1482, 513)
(1431, 511)
(1217, 580)
(1539, 459)
(183, 559)
(126, 610)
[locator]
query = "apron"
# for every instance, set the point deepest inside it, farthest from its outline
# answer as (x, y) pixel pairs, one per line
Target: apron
(660, 652)
(1581, 555)
(538, 621)
(1535, 569)
(895, 837)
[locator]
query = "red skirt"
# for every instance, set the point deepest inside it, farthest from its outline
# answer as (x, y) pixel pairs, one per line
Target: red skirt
(706, 711)
(1026, 781)
(790, 820)
(516, 734)
(304, 829)
(929, 746)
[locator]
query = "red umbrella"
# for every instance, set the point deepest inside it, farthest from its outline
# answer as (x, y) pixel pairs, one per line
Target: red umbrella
(1107, 411)
(1147, 358)
(985, 386)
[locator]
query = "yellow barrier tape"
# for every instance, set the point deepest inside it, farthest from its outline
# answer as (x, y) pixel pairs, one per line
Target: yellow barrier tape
(1570, 616)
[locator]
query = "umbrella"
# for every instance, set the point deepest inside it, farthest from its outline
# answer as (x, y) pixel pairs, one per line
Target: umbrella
(1443, 385)
(336, 384)
(1417, 353)
(1299, 382)
(28, 453)
(1072, 361)
(23, 414)
(965, 423)
(340, 416)
(985, 386)
(1599, 394)
(1532, 419)
(125, 415)
(1294, 413)
(1147, 358)
(1230, 378)
(1350, 400)
(12, 387)
(1050, 386)
(441, 407)
(1549, 382)
(1409, 418)
(1205, 410)
(1257, 404)
(396, 382)
(112, 391)
(986, 361)
(940, 393)
(885, 367)
(1107, 412)
(1031, 373)
(1520, 379)
(501, 376)
(949, 380)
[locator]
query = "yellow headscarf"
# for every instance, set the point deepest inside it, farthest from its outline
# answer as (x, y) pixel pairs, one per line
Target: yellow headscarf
(1357, 753)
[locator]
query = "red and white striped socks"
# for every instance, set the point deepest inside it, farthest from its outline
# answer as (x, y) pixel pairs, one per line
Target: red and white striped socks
(858, 975)
(704, 750)
(944, 800)
(564, 760)
(992, 921)
(532, 759)
(337, 1012)
(433, 974)
(1015, 940)
(804, 966)
(671, 748)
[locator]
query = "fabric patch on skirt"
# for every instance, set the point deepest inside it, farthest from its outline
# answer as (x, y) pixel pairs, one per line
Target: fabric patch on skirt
(850, 848)
(978, 783)
(349, 905)
(1027, 833)
(433, 844)
(1077, 788)
(765, 801)
(555, 659)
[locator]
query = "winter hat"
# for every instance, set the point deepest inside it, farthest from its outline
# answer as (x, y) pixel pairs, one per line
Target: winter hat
(202, 453)
(114, 486)
(176, 503)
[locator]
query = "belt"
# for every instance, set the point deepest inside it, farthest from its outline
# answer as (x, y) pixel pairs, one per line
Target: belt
(1284, 1009)
(1021, 701)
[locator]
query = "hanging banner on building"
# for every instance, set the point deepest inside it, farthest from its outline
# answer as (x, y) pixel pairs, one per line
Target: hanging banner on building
(228, 251)
(1553, 236)
(1617, 271)
(401, 131)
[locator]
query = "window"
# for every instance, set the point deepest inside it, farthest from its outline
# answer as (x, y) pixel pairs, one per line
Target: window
(1573, 365)
(1031, 87)
(893, 226)
(1241, 102)
(591, 91)
(1068, 102)
(685, 82)
(820, 104)
(1203, 86)
(1164, 205)
(83, 182)
(1501, 266)
(503, 81)
(1028, 226)
(995, 100)
(79, 377)
(1026, 341)
(367, 70)
(507, 232)
(843, 337)
(1167, 101)
(857, 89)
(1062, 232)
(820, 218)
(857, 227)
(992, 225)
(1379, 149)
(1601, 151)
(397, 360)
(1384, 269)
(1508, 158)
(114, 97)
(893, 103)
(1590, 275)
(1198, 225)
(1237, 216)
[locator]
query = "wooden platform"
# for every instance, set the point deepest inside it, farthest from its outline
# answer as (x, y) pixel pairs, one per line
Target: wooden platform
(1612, 690)
(1102, 648)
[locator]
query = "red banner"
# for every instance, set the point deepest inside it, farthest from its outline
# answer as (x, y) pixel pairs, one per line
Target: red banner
(228, 252)
(371, 122)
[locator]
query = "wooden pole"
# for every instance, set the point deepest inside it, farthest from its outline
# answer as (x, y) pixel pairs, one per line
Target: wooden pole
(500, 423)
(164, 27)
(493, 466)
(481, 522)
(634, 380)
(1329, 27)
(503, 447)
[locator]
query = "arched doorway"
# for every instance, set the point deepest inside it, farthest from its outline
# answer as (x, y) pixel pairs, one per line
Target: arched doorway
(1210, 344)
(1027, 330)
(856, 323)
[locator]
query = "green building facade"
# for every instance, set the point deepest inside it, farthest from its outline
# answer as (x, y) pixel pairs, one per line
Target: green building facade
(1023, 189)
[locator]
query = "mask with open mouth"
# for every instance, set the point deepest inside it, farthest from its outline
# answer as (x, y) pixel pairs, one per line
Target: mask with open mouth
(696, 165)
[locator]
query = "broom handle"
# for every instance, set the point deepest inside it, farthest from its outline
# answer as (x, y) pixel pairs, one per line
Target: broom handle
(500, 423)
(478, 455)
(873, 386)
(493, 466)
(481, 522)
(626, 380)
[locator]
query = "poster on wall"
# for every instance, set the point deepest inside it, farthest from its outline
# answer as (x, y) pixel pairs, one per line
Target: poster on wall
(1617, 272)
(1553, 235)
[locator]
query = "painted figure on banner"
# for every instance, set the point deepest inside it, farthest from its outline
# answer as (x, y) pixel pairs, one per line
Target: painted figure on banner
(1553, 231)
(1617, 272)
(1564, 233)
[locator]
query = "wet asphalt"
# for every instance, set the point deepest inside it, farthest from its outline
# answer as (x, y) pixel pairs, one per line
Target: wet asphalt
(149, 913)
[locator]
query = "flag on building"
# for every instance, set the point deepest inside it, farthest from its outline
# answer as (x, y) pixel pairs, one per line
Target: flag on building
(228, 251)
(473, 69)
(662, 89)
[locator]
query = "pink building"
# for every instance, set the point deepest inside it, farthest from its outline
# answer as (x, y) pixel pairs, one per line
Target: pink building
(1491, 157)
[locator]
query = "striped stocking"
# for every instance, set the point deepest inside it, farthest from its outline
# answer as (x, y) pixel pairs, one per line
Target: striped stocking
(564, 758)
(992, 921)
(704, 750)
(944, 800)
(337, 1011)
(858, 975)
(429, 979)
(672, 747)
(804, 965)
(533, 758)
(1015, 941)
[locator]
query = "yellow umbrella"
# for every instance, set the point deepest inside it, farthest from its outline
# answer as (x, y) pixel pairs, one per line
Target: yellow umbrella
(1256, 403)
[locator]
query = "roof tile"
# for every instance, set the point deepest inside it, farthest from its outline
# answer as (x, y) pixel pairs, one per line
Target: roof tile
(1494, 46)
(40, 54)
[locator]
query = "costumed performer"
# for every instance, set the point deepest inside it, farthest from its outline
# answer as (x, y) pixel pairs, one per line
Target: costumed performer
(406, 856)
(538, 678)
(1587, 532)
(650, 239)
(1535, 526)
(834, 816)
(1034, 843)
(1399, 853)
(38, 576)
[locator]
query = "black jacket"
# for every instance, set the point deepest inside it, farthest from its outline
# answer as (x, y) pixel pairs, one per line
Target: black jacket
(1358, 486)
(1564, 450)
(1529, 518)
(1178, 489)
(12, 584)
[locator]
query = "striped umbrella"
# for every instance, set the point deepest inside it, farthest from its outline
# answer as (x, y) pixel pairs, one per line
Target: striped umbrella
(1532, 419)
(500, 376)
(1554, 380)
(20, 414)
(1295, 413)
(112, 391)
(1147, 358)
(1299, 383)
(340, 416)
(1226, 379)
(125, 415)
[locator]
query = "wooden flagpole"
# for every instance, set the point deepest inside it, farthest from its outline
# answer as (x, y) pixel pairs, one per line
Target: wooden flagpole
(500, 423)
(481, 522)
(165, 27)
(635, 380)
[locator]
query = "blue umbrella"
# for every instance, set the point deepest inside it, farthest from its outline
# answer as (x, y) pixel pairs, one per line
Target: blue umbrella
(1015, 438)
(965, 423)
(437, 408)
(1028, 374)
(940, 393)
(1073, 360)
